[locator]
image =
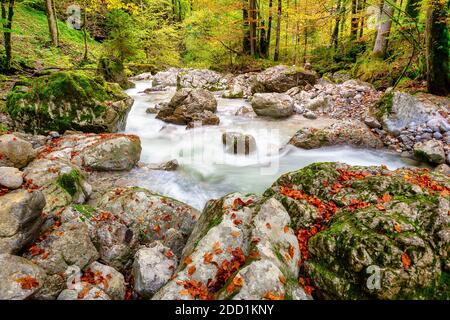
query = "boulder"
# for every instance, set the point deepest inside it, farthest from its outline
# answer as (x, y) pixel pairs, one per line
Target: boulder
(166, 78)
(369, 233)
(67, 245)
(349, 132)
(371, 122)
(431, 151)
(396, 110)
(20, 279)
(106, 278)
(87, 292)
(190, 105)
(142, 77)
(282, 78)
(68, 101)
(153, 267)
(246, 112)
(239, 249)
(274, 105)
(15, 152)
(239, 143)
(147, 214)
(10, 177)
(201, 79)
(20, 219)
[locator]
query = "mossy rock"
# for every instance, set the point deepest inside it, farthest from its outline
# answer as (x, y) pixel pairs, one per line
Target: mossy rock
(388, 237)
(68, 101)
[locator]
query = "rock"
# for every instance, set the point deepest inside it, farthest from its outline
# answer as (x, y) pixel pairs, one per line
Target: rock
(275, 105)
(206, 118)
(153, 267)
(65, 246)
(166, 78)
(88, 292)
(115, 241)
(58, 102)
(350, 132)
(148, 215)
(171, 165)
(310, 115)
(384, 236)
(20, 279)
(246, 112)
(371, 122)
(397, 110)
(431, 151)
(238, 143)
(239, 249)
(201, 79)
(10, 177)
(142, 77)
(282, 78)
(444, 169)
(103, 152)
(114, 286)
(15, 152)
(190, 105)
(151, 110)
(437, 136)
(319, 103)
(20, 219)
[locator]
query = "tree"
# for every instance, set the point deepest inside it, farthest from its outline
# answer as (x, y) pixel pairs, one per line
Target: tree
(277, 38)
(335, 34)
(52, 22)
(7, 18)
(384, 29)
(437, 48)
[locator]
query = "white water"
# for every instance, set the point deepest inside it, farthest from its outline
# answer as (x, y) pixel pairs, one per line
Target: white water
(206, 171)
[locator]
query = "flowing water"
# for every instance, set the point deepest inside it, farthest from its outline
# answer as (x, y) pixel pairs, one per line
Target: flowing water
(207, 171)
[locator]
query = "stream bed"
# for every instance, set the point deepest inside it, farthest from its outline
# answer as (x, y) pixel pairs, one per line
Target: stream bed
(207, 171)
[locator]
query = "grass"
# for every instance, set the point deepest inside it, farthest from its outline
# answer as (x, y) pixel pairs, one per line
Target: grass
(31, 42)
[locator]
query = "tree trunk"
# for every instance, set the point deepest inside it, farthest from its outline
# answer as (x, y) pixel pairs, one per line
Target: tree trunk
(85, 55)
(7, 17)
(52, 24)
(335, 34)
(363, 17)
(384, 29)
(245, 19)
(277, 40)
(354, 20)
(437, 48)
(252, 23)
(269, 27)
(413, 8)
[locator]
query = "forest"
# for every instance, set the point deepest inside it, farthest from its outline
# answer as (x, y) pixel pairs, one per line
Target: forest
(224, 150)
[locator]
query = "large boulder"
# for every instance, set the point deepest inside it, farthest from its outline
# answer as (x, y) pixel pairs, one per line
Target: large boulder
(274, 105)
(282, 78)
(367, 232)
(68, 101)
(20, 219)
(166, 78)
(20, 279)
(188, 106)
(238, 250)
(431, 151)
(397, 109)
(99, 152)
(349, 132)
(150, 216)
(15, 152)
(201, 79)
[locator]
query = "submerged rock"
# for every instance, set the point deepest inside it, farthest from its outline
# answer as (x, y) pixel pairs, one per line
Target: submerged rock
(350, 132)
(68, 101)
(274, 105)
(238, 143)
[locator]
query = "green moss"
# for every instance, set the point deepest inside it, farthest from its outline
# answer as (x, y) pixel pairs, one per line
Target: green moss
(86, 211)
(70, 182)
(384, 106)
(3, 128)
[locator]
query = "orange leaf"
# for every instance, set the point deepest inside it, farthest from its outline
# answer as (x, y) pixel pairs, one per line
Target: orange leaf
(187, 260)
(28, 282)
(207, 258)
(235, 234)
(406, 261)
(216, 248)
(271, 296)
(238, 281)
(192, 270)
(169, 254)
(397, 227)
(291, 251)
(237, 222)
(282, 279)
(268, 225)
(286, 229)
(83, 293)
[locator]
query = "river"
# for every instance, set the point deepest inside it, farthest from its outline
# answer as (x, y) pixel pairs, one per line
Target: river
(206, 171)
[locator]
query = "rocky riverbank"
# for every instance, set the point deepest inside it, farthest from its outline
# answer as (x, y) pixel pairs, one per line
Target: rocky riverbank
(73, 225)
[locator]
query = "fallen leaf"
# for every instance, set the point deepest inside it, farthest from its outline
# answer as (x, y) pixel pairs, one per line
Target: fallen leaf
(397, 227)
(28, 282)
(286, 229)
(192, 270)
(406, 261)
